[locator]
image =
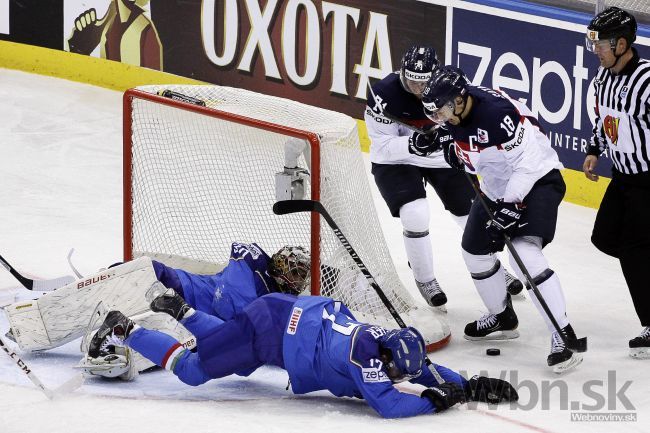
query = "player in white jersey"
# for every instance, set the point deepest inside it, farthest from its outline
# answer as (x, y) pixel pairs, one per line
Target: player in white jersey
(404, 161)
(500, 140)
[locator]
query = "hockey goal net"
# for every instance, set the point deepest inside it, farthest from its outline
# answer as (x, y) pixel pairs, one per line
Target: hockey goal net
(197, 178)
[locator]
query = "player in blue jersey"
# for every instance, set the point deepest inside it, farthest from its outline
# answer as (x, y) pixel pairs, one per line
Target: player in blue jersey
(404, 161)
(316, 340)
(249, 274)
(499, 139)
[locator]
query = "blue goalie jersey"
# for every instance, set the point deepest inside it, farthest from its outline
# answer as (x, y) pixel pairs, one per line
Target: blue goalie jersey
(226, 293)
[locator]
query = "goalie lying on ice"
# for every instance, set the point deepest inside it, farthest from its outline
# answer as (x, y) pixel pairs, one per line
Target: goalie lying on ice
(63, 315)
(315, 339)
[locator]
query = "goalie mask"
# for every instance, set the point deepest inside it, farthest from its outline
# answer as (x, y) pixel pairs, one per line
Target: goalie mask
(402, 352)
(418, 64)
(291, 269)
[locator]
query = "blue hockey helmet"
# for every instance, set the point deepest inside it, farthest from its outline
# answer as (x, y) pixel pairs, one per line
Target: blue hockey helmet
(418, 63)
(447, 83)
(608, 26)
(402, 352)
(290, 267)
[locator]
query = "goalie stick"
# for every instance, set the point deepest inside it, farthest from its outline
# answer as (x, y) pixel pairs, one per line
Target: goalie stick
(67, 387)
(292, 206)
(42, 285)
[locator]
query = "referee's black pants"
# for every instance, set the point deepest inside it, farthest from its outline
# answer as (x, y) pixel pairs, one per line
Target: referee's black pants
(622, 230)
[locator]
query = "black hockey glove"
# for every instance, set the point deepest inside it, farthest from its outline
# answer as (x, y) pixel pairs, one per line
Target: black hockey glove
(445, 395)
(426, 144)
(506, 218)
(451, 157)
(490, 390)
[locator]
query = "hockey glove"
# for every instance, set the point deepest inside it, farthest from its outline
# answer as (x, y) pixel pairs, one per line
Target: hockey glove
(506, 218)
(426, 144)
(451, 157)
(445, 395)
(490, 390)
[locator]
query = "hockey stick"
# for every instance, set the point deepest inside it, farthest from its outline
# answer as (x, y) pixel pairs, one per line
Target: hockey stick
(67, 387)
(42, 285)
(580, 345)
(292, 206)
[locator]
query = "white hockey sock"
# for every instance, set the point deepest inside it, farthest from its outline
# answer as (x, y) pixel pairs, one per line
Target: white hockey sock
(420, 256)
(415, 221)
(489, 280)
(551, 291)
(548, 283)
(460, 220)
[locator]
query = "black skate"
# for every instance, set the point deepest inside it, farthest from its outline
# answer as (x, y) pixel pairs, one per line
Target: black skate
(432, 293)
(171, 303)
(640, 346)
(561, 358)
(502, 326)
(513, 285)
(111, 333)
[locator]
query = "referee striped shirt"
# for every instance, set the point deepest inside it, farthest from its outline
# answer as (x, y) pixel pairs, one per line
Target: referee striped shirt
(622, 116)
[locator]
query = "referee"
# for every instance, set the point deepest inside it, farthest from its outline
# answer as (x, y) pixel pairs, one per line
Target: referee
(622, 226)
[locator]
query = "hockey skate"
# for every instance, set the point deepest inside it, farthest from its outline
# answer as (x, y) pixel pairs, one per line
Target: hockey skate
(640, 346)
(111, 334)
(433, 294)
(502, 326)
(562, 358)
(169, 302)
(513, 285)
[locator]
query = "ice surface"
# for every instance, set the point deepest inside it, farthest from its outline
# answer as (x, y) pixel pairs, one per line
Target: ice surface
(60, 166)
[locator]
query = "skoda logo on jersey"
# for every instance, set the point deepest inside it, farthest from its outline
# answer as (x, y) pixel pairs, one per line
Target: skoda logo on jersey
(375, 373)
(482, 136)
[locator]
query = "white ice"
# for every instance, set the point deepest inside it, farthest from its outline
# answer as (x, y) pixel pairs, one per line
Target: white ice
(60, 172)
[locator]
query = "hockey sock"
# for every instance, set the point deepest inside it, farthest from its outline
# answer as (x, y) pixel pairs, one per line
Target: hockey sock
(201, 324)
(489, 280)
(165, 351)
(415, 221)
(529, 249)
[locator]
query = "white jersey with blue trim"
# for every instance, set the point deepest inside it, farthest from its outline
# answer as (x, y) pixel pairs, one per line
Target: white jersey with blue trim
(502, 141)
(389, 141)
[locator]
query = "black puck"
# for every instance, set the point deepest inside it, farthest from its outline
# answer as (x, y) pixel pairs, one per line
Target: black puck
(493, 352)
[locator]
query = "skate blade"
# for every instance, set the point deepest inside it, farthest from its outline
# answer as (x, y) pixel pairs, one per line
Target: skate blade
(497, 335)
(640, 353)
(157, 289)
(570, 363)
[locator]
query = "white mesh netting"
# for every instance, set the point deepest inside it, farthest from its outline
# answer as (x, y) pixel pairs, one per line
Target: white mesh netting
(200, 183)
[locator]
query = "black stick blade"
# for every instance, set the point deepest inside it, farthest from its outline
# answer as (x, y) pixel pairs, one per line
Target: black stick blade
(284, 207)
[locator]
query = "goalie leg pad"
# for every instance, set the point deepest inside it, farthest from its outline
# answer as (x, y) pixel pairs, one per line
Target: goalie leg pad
(62, 315)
